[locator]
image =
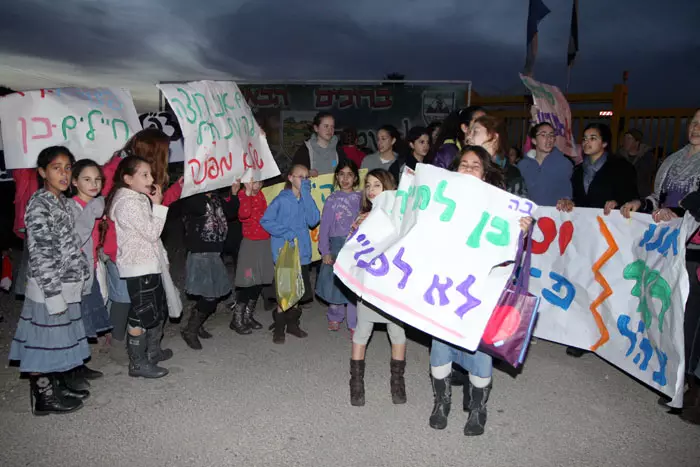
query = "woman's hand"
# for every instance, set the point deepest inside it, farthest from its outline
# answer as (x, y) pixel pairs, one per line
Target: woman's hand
(629, 207)
(359, 220)
(156, 194)
(663, 215)
(313, 173)
(565, 205)
(525, 223)
(609, 206)
(328, 259)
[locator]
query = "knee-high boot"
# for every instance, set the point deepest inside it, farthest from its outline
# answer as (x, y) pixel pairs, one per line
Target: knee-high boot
(293, 316)
(478, 397)
(443, 402)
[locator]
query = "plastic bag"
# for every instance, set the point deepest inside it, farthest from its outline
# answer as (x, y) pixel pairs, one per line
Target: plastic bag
(289, 283)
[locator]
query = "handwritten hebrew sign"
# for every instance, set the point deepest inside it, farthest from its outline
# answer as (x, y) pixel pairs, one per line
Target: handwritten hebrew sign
(321, 188)
(223, 141)
(553, 108)
(614, 286)
(92, 123)
(427, 253)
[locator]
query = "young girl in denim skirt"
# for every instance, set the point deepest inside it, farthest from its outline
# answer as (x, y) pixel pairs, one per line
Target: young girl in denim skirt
(290, 216)
(255, 266)
(134, 204)
(206, 223)
(87, 209)
(50, 338)
(474, 161)
(339, 212)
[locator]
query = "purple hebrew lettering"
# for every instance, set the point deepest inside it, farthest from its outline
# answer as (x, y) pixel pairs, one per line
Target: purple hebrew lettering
(378, 271)
(441, 288)
(472, 302)
(403, 266)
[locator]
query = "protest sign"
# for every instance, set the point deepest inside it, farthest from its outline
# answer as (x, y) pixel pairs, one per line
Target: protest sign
(92, 123)
(553, 108)
(614, 286)
(427, 253)
(223, 142)
(321, 188)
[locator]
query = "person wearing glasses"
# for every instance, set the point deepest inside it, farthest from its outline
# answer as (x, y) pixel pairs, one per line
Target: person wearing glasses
(548, 174)
(601, 181)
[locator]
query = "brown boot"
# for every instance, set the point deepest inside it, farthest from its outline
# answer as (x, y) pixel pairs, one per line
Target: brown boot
(691, 404)
(357, 382)
(293, 320)
(397, 383)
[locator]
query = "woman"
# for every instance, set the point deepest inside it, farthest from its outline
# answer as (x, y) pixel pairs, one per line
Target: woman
(678, 179)
(474, 161)
(320, 153)
(600, 181)
(453, 135)
(489, 132)
(548, 175)
(388, 140)
(418, 140)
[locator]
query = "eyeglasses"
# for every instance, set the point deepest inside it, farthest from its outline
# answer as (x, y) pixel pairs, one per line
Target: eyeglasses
(546, 135)
(591, 138)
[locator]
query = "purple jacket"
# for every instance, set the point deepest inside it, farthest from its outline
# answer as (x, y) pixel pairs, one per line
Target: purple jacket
(445, 155)
(339, 212)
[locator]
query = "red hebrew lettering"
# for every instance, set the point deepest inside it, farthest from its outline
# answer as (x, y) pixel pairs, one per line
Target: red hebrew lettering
(251, 160)
(324, 98)
(266, 97)
(346, 98)
(383, 100)
(212, 169)
(549, 230)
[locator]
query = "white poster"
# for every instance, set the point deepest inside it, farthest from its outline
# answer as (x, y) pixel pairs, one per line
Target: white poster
(614, 286)
(223, 141)
(427, 253)
(92, 123)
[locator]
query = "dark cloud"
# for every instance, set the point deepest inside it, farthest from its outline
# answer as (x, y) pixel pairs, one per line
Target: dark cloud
(139, 42)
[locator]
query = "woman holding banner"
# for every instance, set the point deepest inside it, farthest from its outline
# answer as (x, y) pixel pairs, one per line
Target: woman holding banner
(676, 189)
(474, 161)
(600, 181)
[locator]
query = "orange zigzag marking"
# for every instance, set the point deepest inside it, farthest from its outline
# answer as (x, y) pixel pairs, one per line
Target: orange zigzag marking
(607, 291)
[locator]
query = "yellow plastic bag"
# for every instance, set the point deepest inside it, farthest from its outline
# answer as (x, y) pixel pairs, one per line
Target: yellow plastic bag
(289, 283)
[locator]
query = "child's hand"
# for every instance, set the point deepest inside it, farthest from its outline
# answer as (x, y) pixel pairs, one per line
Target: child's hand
(236, 187)
(248, 188)
(359, 220)
(328, 259)
(525, 223)
(313, 173)
(306, 186)
(565, 205)
(156, 195)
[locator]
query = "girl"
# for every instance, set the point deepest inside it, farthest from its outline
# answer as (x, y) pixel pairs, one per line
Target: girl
(377, 181)
(50, 337)
(152, 145)
(87, 206)
(341, 209)
(254, 268)
(489, 132)
(349, 140)
(474, 161)
(388, 138)
(206, 275)
(320, 153)
(134, 204)
(419, 143)
(290, 216)
(453, 134)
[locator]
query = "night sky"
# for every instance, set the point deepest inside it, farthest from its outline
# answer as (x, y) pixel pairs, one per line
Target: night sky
(134, 43)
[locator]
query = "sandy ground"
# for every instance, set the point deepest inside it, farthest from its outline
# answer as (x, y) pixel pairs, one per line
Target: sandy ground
(245, 401)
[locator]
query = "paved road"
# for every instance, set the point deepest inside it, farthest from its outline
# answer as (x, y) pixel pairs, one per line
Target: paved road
(244, 401)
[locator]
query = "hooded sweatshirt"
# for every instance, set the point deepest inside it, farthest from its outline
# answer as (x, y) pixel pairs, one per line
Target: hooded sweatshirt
(288, 218)
(86, 217)
(138, 226)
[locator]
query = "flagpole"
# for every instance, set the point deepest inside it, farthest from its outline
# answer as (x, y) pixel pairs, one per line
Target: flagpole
(568, 79)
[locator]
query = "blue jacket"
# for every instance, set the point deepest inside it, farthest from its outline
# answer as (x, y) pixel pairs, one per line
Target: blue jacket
(288, 218)
(547, 183)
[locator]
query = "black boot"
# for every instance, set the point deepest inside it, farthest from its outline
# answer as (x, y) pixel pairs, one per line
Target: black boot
(74, 380)
(191, 331)
(156, 353)
(357, 382)
(139, 365)
(249, 315)
(443, 402)
(237, 323)
(478, 397)
(89, 373)
(46, 398)
(203, 333)
(62, 388)
(293, 316)
(279, 327)
(397, 383)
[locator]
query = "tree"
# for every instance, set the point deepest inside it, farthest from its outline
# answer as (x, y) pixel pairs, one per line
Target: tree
(393, 78)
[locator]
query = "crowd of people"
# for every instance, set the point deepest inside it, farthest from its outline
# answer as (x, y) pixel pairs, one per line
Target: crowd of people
(95, 263)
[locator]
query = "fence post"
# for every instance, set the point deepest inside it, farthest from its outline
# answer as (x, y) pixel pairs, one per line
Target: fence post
(619, 109)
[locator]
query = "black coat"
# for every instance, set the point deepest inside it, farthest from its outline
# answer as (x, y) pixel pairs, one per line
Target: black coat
(615, 181)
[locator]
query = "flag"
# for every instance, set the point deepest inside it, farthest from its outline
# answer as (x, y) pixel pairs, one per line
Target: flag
(573, 36)
(536, 13)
